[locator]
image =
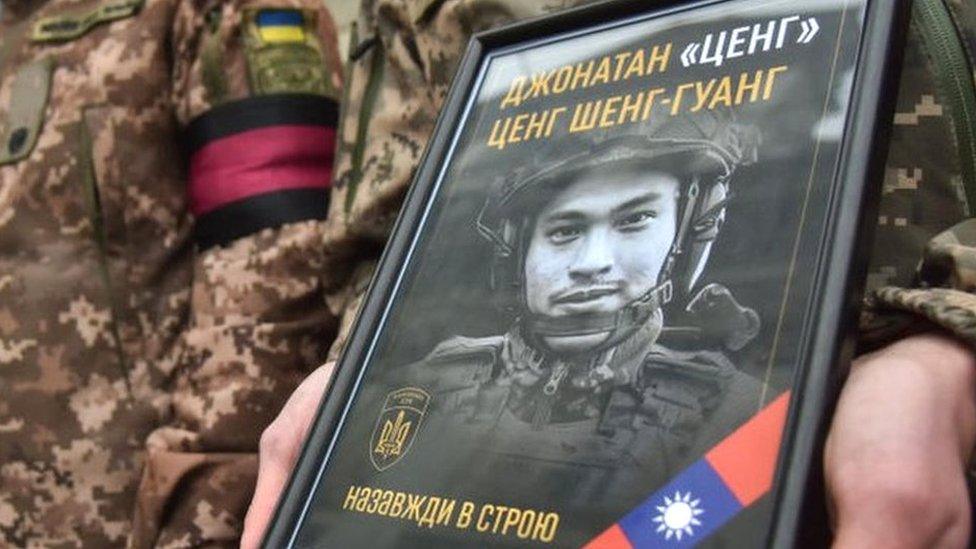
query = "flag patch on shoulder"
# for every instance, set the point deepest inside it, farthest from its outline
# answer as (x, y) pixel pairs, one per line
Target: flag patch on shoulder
(281, 26)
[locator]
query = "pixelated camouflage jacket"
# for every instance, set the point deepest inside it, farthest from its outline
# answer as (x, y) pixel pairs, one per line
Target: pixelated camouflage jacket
(115, 328)
(402, 59)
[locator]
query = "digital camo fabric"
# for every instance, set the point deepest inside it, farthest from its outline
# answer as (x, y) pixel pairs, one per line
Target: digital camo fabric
(113, 330)
(402, 59)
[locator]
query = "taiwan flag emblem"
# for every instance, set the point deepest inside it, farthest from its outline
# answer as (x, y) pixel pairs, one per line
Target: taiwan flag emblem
(678, 516)
(733, 475)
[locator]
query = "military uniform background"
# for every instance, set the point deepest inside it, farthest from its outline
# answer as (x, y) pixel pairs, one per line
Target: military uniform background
(113, 330)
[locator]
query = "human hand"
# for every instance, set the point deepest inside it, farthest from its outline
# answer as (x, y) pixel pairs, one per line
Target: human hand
(280, 444)
(899, 446)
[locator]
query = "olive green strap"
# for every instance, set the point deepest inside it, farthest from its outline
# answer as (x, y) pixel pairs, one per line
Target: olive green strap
(212, 60)
(953, 73)
(93, 201)
(373, 85)
(420, 9)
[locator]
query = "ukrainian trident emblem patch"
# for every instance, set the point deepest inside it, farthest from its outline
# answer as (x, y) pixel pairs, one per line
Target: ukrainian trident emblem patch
(396, 426)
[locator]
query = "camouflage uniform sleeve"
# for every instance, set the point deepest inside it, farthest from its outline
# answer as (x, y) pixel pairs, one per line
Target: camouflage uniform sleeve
(947, 280)
(252, 84)
(403, 55)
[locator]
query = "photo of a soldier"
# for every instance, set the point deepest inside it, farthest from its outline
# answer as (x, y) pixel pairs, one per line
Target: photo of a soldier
(589, 246)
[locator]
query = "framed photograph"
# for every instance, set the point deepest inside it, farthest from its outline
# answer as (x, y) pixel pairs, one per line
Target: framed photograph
(618, 300)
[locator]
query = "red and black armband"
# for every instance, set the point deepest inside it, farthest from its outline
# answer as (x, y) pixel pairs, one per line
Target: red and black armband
(259, 163)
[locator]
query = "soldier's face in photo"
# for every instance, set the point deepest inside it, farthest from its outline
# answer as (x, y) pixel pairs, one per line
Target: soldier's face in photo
(598, 245)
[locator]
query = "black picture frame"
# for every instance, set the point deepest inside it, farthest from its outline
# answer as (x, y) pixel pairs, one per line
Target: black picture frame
(826, 342)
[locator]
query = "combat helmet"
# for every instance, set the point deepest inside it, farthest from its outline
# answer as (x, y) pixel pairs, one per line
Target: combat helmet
(703, 150)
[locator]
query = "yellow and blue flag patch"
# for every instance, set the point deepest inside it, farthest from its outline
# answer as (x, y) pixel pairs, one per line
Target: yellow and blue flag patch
(281, 26)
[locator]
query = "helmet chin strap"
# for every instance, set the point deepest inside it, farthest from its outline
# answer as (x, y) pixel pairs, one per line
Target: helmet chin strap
(619, 325)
